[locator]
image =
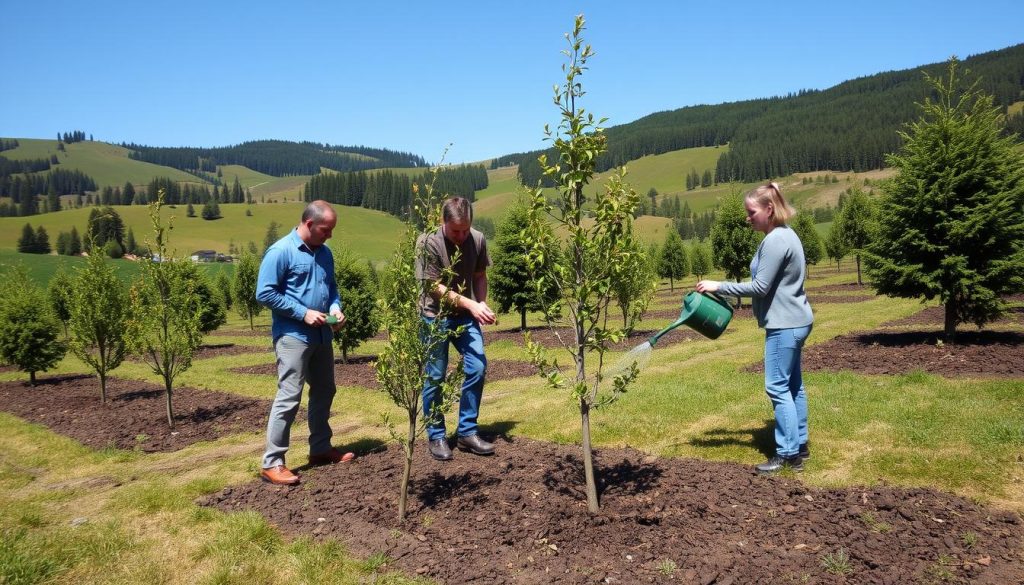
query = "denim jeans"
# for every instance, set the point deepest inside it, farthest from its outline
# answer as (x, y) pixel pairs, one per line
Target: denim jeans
(471, 345)
(785, 386)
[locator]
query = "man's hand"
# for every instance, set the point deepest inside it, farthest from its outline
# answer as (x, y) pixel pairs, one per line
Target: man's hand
(341, 320)
(314, 318)
(482, 313)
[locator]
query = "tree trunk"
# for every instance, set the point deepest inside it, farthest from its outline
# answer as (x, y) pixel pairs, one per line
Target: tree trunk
(32, 378)
(588, 458)
(170, 409)
(103, 387)
(859, 281)
(949, 330)
(671, 285)
(251, 326)
(403, 494)
(522, 319)
(344, 354)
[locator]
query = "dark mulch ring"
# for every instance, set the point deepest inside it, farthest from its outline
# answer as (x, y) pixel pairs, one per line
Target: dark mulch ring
(359, 370)
(135, 415)
(937, 316)
(816, 299)
(547, 337)
(212, 350)
(258, 331)
(846, 287)
(989, 354)
(521, 517)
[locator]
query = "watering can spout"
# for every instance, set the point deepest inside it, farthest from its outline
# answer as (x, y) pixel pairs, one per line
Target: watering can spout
(707, 314)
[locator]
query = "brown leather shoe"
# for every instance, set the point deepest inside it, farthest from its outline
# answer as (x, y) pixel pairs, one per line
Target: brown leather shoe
(332, 456)
(279, 475)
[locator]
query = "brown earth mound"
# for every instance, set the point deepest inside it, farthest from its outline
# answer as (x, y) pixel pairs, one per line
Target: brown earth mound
(521, 517)
(135, 415)
(359, 370)
(990, 354)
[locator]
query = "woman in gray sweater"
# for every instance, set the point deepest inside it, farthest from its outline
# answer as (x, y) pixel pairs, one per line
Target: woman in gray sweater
(780, 305)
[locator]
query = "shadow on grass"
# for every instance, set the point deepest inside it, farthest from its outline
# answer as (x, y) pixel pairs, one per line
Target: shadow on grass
(761, 438)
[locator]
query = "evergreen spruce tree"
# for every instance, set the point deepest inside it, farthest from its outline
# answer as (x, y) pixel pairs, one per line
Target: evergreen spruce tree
(733, 243)
(358, 293)
(700, 259)
(856, 224)
(74, 243)
(835, 244)
(58, 292)
(508, 280)
(673, 262)
(243, 287)
(803, 225)
(27, 241)
(28, 331)
(952, 219)
(42, 244)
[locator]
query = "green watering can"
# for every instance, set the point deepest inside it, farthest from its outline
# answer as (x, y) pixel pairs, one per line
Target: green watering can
(707, 314)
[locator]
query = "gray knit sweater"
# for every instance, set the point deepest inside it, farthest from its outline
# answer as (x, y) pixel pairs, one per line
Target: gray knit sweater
(777, 284)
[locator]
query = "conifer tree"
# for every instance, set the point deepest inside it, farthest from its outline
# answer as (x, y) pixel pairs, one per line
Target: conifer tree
(508, 280)
(27, 241)
(856, 224)
(59, 291)
(358, 294)
(733, 243)
(700, 259)
(28, 331)
(803, 225)
(672, 261)
(243, 287)
(952, 219)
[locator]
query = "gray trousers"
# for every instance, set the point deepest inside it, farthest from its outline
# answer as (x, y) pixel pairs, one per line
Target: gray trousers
(297, 363)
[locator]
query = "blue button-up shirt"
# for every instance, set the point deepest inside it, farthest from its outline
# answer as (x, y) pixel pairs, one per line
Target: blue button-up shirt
(294, 278)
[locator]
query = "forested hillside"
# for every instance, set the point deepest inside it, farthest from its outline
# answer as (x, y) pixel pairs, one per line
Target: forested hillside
(278, 158)
(849, 127)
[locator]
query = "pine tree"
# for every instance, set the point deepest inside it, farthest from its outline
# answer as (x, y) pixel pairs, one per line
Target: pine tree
(508, 280)
(243, 287)
(856, 224)
(358, 294)
(803, 225)
(42, 244)
(673, 262)
(27, 241)
(952, 219)
(732, 241)
(28, 331)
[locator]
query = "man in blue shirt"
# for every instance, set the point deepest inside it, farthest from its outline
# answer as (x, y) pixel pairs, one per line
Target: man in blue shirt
(296, 282)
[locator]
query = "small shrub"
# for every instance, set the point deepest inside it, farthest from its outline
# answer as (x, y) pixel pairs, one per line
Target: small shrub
(667, 567)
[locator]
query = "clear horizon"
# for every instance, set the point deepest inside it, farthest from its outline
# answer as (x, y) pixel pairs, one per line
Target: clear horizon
(416, 77)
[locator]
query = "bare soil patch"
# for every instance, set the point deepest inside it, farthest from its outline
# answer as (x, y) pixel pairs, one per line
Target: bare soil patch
(932, 316)
(521, 517)
(989, 354)
(135, 415)
(359, 370)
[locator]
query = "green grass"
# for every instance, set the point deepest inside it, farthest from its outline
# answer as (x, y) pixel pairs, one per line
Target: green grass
(107, 164)
(371, 234)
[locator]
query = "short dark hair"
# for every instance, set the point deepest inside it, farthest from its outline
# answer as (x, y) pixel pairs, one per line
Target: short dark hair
(316, 210)
(457, 209)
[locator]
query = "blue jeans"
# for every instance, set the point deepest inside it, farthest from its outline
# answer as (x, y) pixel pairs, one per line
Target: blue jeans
(785, 386)
(471, 345)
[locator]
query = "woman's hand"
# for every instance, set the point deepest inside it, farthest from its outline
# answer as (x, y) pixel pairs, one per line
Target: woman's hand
(708, 286)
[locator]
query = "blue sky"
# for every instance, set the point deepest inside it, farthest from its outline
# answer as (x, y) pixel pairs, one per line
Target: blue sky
(416, 76)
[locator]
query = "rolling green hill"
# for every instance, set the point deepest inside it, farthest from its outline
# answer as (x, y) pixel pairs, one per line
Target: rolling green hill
(370, 234)
(107, 164)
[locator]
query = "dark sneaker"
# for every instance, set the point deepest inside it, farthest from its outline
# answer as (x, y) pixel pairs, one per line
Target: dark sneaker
(475, 445)
(805, 451)
(778, 463)
(440, 450)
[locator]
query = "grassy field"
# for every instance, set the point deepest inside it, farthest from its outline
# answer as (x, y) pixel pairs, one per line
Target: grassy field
(376, 232)
(107, 164)
(133, 517)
